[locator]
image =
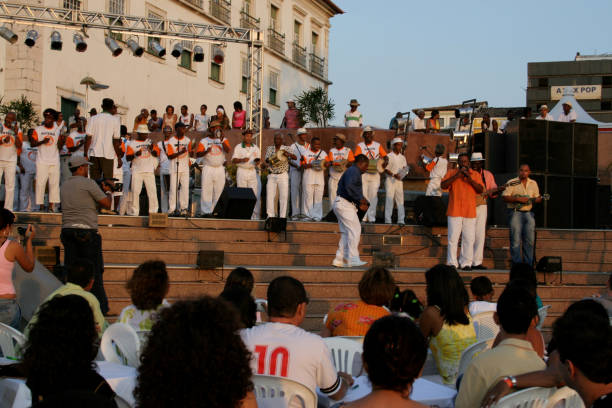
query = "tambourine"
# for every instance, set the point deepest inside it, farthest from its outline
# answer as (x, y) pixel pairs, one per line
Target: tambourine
(317, 165)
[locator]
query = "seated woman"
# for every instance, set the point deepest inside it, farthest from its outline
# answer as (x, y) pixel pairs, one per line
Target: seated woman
(148, 287)
(241, 277)
(376, 289)
(394, 352)
(244, 304)
(446, 320)
(208, 365)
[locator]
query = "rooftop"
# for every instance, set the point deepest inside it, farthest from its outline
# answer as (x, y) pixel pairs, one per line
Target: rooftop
(580, 57)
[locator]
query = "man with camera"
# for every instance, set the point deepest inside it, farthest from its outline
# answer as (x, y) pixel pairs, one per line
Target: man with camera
(80, 198)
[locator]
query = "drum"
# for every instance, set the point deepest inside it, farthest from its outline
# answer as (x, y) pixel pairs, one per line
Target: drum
(317, 165)
(340, 166)
(403, 172)
(280, 156)
(372, 166)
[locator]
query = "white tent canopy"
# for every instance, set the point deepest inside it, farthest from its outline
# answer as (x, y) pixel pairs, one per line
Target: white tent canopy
(581, 115)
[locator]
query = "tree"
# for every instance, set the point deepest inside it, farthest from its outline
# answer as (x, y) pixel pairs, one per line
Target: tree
(316, 106)
(23, 107)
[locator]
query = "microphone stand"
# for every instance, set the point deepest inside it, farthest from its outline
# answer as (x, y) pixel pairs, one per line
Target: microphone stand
(178, 158)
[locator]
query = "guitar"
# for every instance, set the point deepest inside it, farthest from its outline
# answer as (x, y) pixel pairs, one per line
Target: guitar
(499, 189)
(531, 200)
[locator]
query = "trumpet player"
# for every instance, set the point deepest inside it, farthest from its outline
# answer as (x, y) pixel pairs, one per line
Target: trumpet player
(314, 162)
(371, 178)
(394, 186)
(247, 157)
(339, 157)
(278, 177)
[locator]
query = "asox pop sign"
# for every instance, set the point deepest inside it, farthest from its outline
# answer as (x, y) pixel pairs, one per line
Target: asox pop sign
(580, 92)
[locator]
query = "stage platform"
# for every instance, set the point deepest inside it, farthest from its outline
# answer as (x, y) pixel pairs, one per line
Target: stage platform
(308, 251)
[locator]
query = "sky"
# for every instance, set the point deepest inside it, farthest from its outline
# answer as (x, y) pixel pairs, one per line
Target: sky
(396, 55)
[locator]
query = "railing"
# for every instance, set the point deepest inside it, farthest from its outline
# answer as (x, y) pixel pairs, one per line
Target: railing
(299, 55)
(248, 21)
(317, 65)
(197, 3)
(221, 9)
(276, 41)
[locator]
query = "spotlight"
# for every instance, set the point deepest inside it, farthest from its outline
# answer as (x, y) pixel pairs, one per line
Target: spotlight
(218, 56)
(157, 48)
(198, 54)
(8, 35)
(177, 50)
(31, 38)
(56, 41)
(137, 50)
(112, 45)
(81, 45)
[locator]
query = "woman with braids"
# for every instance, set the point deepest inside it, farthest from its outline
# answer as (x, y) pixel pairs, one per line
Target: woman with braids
(194, 357)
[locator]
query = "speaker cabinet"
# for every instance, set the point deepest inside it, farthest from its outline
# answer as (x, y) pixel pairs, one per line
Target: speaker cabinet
(559, 155)
(585, 150)
(235, 203)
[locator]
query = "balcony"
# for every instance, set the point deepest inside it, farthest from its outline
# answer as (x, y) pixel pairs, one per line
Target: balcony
(276, 41)
(248, 21)
(221, 9)
(299, 55)
(197, 3)
(317, 65)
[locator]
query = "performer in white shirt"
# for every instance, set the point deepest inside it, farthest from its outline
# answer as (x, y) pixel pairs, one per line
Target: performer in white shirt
(49, 141)
(179, 149)
(164, 169)
(418, 123)
(568, 114)
(10, 145)
(353, 118)
(278, 179)
(394, 186)
(212, 149)
(314, 162)
(437, 170)
(247, 157)
(126, 198)
(75, 142)
(340, 157)
(371, 179)
(544, 114)
(143, 155)
(298, 149)
(27, 173)
(201, 119)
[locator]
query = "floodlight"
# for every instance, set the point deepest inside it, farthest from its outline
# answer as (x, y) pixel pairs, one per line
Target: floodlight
(218, 56)
(137, 50)
(198, 54)
(158, 50)
(177, 50)
(56, 41)
(79, 42)
(112, 45)
(8, 34)
(31, 38)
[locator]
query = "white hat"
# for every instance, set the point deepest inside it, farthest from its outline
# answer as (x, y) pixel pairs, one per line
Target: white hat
(367, 129)
(568, 103)
(397, 140)
(302, 131)
(290, 101)
(477, 156)
(544, 107)
(142, 128)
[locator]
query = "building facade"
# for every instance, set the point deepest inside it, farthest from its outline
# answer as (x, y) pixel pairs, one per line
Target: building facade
(296, 34)
(590, 75)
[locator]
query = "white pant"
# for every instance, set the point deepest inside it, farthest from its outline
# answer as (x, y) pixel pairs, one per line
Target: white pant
(295, 178)
(44, 173)
(313, 200)
(213, 182)
(371, 183)
(480, 234)
(8, 169)
(27, 199)
(464, 227)
(164, 193)
(394, 192)
(350, 230)
(183, 179)
(247, 178)
(126, 198)
(277, 189)
(149, 181)
(332, 187)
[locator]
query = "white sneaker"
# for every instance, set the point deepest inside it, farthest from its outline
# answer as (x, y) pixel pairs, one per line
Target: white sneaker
(356, 262)
(339, 263)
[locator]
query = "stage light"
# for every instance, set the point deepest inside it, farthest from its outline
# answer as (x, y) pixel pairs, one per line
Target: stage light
(56, 41)
(137, 50)
(8, 35)
(158, 50)
(177, 50)
(198, 54)
(80, 43)
(218, 55)
(31, 38)
(112, 45)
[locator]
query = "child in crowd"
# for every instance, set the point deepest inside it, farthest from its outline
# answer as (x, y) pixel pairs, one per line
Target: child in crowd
(406, 303)
(482, 291)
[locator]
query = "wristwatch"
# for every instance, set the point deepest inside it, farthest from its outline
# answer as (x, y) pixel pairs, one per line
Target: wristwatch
(510, 381)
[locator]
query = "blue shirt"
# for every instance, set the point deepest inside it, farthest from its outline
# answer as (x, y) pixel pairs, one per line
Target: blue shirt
(349, 186)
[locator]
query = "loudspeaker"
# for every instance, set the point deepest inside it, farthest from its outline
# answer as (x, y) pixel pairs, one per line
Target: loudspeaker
(430, 211)
(235, 203)
(584, 208)
(585, 150)
(210, 259)
(603, 206)
(559, 155)
(494, 151)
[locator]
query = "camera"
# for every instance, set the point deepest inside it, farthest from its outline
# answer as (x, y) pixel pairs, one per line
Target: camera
(21, 231)
(116, 187)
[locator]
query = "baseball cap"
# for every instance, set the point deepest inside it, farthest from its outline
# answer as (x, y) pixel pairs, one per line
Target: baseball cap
(77, 161)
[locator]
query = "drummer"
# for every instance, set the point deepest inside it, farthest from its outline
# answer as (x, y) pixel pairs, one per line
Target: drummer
(314, 162)
(340, 158)
(394, 186)
(371, 178)
(278, 176)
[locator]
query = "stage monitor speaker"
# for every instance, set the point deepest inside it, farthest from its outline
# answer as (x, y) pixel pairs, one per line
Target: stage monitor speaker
(603, 219)
(235, 203)
(585, 149)
(531, 146)
(211, 259)
(275, 224)
(430, 211)
(559, 157)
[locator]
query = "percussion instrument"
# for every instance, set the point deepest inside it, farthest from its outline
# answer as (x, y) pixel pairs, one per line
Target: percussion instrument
(278, 158)
(499, 189)
(280, 155)
(403, 172)
(340, 166)
(375, 166)
(317, 165)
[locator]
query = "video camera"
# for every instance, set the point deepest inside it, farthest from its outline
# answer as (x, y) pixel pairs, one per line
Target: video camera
(110, 182)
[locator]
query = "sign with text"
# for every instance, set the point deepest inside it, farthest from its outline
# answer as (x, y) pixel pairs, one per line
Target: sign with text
(580, 92)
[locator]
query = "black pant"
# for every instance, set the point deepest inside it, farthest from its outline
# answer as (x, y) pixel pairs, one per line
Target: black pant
(101, 166)
(86, 243)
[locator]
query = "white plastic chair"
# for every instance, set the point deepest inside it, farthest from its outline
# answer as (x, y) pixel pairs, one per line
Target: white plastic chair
(358, 339)
(535, 397)
(278, 392)
(565, 398)
(485, 326)
(120, 344)
(468, 354)
(346, 354)
(11, 341)
(542, 313)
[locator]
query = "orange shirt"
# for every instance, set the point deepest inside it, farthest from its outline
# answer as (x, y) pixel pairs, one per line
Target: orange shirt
(461, 195)
(353, 319)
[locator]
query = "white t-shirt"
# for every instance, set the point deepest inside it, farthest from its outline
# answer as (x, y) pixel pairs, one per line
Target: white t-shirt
(164, 163)
(28, 158)
(435, 177)
(186, 119)
(103, 128)
(418, 124)
(285, 350)
(371, 151)
(298, 150)
(548, 117)
(312, 176)
(146, 162)
(241, 152)
(216, 156)
(504, 124)
(396, 162)
(74, 138)
(353, 119)
(173, 146)
(48, 152)
(8, 151)
(480, 306)
(201, 122)
(338, 155)
(567, 118)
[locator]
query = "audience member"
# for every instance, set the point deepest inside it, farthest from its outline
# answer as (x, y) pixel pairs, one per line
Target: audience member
(185, 118)
(244, 303)
(220, 120)
(201, 119)
(155, 122)
(482, 290)
(141, 119)
(208, 365)
(241, 277)
(446, 320)
(169, 118)
(406, 303)
(148, 288)
(239, 116)
(273, 343)
(525, 272)
(394, 352)
(418, 123)
(433, 123)
(353, 118)
(291, 120)
(516, 312)
(376, 289)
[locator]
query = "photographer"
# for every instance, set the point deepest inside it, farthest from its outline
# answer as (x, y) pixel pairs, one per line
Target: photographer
(80, 197)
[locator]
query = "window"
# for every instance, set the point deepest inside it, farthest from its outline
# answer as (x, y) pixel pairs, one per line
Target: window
(542, 82)
(156, 16)
(273, 92)
(606, 81)
(117, 7)
(274, 18)
(297, 32)
(186, 54)
(216, 70)
(72, 4)
(315, 42)
(244, 74)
